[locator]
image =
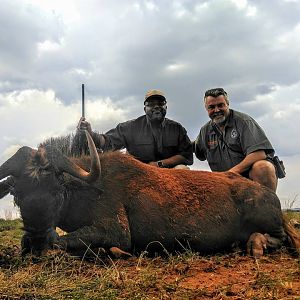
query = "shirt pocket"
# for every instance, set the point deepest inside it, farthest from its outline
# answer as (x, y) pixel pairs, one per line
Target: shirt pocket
(234, 145)
(142, 149)
(170, 142)
(144, 141)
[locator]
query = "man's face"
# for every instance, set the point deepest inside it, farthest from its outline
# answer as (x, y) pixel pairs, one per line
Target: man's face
(217, 108)
(156, 109)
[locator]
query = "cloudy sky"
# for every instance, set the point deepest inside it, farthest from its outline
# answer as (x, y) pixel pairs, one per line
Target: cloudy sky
(121, 49)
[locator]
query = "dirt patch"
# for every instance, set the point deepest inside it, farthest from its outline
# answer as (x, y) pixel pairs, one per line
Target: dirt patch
(234, 276)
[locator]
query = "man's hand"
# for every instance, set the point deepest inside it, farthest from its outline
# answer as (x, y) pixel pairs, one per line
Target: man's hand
(247, 163)
(84, 125)
(153, 163)
(234, 170)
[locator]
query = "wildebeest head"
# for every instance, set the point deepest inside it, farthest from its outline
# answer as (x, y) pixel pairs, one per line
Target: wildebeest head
(38, 190)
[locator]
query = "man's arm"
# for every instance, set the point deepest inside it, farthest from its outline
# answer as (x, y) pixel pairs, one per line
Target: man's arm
(99, 139)
(114, 139)
(79, 142)
(248, 161)
(184, 151)
(171, 161)
(199, 146)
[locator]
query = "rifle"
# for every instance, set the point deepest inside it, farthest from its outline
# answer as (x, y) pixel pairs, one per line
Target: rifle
(79, 144)
(82, 101)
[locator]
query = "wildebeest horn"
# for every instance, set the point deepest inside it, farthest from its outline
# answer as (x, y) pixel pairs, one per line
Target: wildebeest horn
(69, 167)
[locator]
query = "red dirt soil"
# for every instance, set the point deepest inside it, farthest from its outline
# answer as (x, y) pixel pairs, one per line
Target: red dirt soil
(233, 276)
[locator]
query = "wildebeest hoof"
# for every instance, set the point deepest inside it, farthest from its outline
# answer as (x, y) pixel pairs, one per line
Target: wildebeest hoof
(256, 244)
(118, 253)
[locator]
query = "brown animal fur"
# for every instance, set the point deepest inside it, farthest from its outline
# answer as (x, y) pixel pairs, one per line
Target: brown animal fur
(223, 195)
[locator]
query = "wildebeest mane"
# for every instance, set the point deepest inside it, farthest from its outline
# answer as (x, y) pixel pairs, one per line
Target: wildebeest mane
(63, 144)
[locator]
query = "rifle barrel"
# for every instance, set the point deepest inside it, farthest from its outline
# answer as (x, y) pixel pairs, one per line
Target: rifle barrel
(82, 100)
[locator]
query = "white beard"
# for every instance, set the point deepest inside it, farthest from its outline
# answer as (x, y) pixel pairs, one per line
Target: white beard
(219, 119)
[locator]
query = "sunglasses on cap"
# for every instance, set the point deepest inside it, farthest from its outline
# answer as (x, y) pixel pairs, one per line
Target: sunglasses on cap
(153, 103)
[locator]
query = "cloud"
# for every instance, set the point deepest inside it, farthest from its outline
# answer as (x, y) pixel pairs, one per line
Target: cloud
(23, 27)
(280, 109)
(160, 42)
(31, 116)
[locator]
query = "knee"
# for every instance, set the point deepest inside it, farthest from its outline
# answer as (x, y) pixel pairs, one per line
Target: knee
(263, 169)
(264, 173)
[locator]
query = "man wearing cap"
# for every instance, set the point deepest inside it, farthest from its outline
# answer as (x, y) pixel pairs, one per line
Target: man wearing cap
(150, 138)
(233, 141)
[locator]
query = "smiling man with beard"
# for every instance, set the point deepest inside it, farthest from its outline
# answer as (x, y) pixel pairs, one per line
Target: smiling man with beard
(151, 138)
(233, 141)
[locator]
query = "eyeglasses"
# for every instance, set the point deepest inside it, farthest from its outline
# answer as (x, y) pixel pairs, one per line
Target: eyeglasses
(155, 103)
(219, 106)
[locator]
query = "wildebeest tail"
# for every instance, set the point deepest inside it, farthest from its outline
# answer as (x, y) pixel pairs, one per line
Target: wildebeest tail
(293, 235)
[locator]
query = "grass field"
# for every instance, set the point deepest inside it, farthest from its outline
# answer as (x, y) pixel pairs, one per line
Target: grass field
(185, 276)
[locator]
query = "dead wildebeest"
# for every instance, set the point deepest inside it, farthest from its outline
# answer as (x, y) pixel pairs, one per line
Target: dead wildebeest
(129, 206)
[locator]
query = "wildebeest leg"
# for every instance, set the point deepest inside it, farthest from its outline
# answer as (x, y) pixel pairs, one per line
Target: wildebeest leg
(110, 236)
(258, 242)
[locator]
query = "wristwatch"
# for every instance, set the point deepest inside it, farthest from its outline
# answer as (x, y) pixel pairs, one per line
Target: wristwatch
(160, 164)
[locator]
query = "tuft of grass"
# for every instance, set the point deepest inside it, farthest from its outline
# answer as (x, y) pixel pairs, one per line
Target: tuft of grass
(289, 203)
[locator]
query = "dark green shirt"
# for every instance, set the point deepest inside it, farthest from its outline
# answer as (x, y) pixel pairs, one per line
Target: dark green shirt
(242, 135)
(140, 141)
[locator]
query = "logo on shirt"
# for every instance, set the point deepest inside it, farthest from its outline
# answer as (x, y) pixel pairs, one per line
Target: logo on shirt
(234, 134)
